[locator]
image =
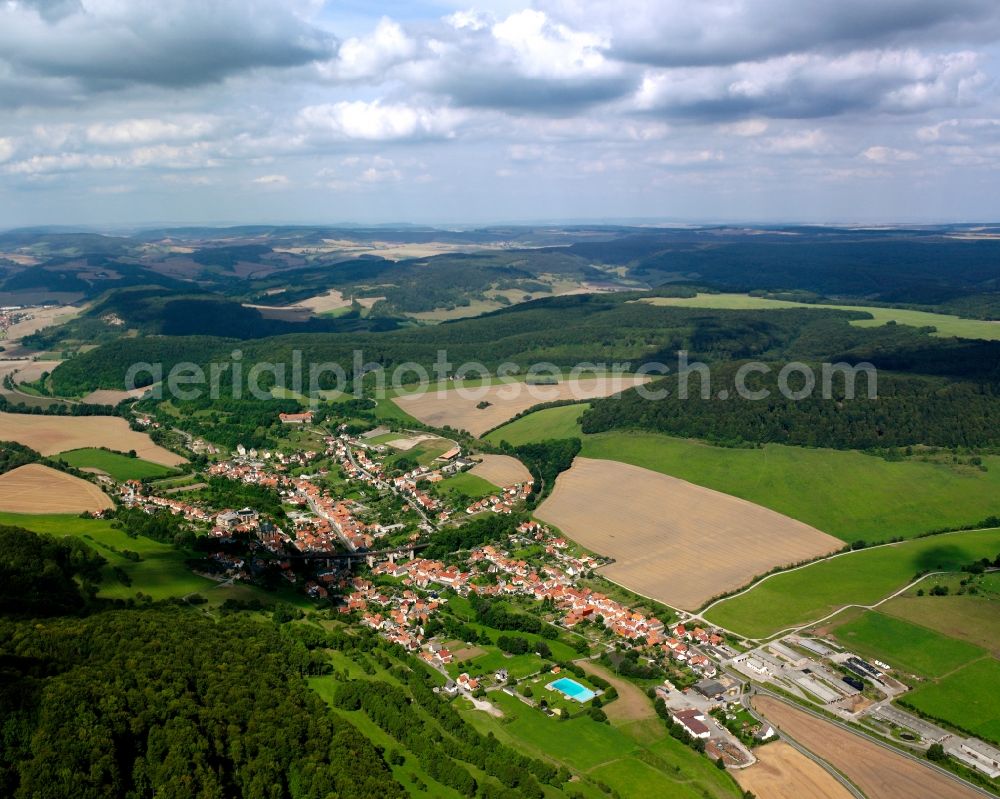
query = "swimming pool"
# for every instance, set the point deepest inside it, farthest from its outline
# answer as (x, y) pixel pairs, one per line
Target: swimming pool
(571, 689)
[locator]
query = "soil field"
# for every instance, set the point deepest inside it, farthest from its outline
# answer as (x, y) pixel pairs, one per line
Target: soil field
(501, 470)
(632, 703)
(879, 773)
(783, 772)
(53, 434)
(38, 489)
(110, 396)
(674, 541)
(457, 407)
(37, 318)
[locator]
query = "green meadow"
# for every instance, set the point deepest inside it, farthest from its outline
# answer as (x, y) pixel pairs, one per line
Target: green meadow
(906, 646)
(845, 493)
(637, 763)
(946, 324)
(967, 699)
(161, 573)
(120, 467)
(559, 422)
(861, 577)
(470, 485)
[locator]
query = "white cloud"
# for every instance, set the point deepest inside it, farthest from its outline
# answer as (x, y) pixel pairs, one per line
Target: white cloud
(885, 155)
(271, 180)
(377, 121)
(6, 149)
(145, 131)
(370, 56)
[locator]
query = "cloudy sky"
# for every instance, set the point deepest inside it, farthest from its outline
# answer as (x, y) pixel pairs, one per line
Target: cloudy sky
(162, 111)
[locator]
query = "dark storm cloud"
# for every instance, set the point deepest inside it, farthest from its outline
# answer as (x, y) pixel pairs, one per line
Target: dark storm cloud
(172, 44)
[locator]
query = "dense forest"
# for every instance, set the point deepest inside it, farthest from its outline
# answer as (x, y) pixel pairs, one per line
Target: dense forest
(942, 391)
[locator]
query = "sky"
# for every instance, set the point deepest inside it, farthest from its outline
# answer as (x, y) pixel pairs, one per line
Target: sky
(136, 112)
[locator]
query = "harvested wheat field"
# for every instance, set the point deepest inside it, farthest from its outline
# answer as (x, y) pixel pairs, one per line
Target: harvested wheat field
(457, 407)
(38, 489)
(782, 772)
(674, 541)
(879, 773)
(110, 396)
(501, 470)
(53, 434)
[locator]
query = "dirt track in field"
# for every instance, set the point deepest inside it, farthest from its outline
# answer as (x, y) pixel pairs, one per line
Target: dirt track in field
(38, 489)
(674, 541)
(50, 435)
(501, 470)
(456, 407)
(879, 773)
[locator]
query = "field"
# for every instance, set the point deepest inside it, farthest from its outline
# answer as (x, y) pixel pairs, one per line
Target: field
(975, 619)
(161, 573)
(946, 324)
(905, 646)
(674, 541)
(501, 470)
(846, 494)
(861, 577)
(647, 766)
(53, 434)
(120, 467)
(38, 489)
(782, 772)
(456, 407)
(559, 422)
(632, 703)
(967, 698)
(879, 773)
(468, 484)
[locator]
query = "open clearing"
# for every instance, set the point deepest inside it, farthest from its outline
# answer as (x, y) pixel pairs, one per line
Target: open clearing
(501, 470)
(975, 619)
(861, 577)
(110, 396)
(905, 646)
(946, 324)
(672, 540)
(967, 698)
(53, 434)
(456, 407)
(406, 444)
(879, 773)
(120, 467)
(847, 494)
(631, 705)
(34, 488)
(38, 318)
(783, 772)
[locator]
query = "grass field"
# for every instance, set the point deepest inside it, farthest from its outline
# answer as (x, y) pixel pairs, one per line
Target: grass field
(118, 466)
(861, 577)
(905, 646)
(975, 619)
(161, 573)
(967, 698)
(468, 484)
(560, 422)
(659, 768)
(843, 493)
(946, 324)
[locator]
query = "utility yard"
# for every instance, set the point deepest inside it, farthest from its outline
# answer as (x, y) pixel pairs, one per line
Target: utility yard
(674, 541)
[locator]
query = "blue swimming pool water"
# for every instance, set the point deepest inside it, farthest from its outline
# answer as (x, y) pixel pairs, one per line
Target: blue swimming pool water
(571, 689)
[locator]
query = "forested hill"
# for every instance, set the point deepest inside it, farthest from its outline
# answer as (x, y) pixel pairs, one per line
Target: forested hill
(157, 702)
